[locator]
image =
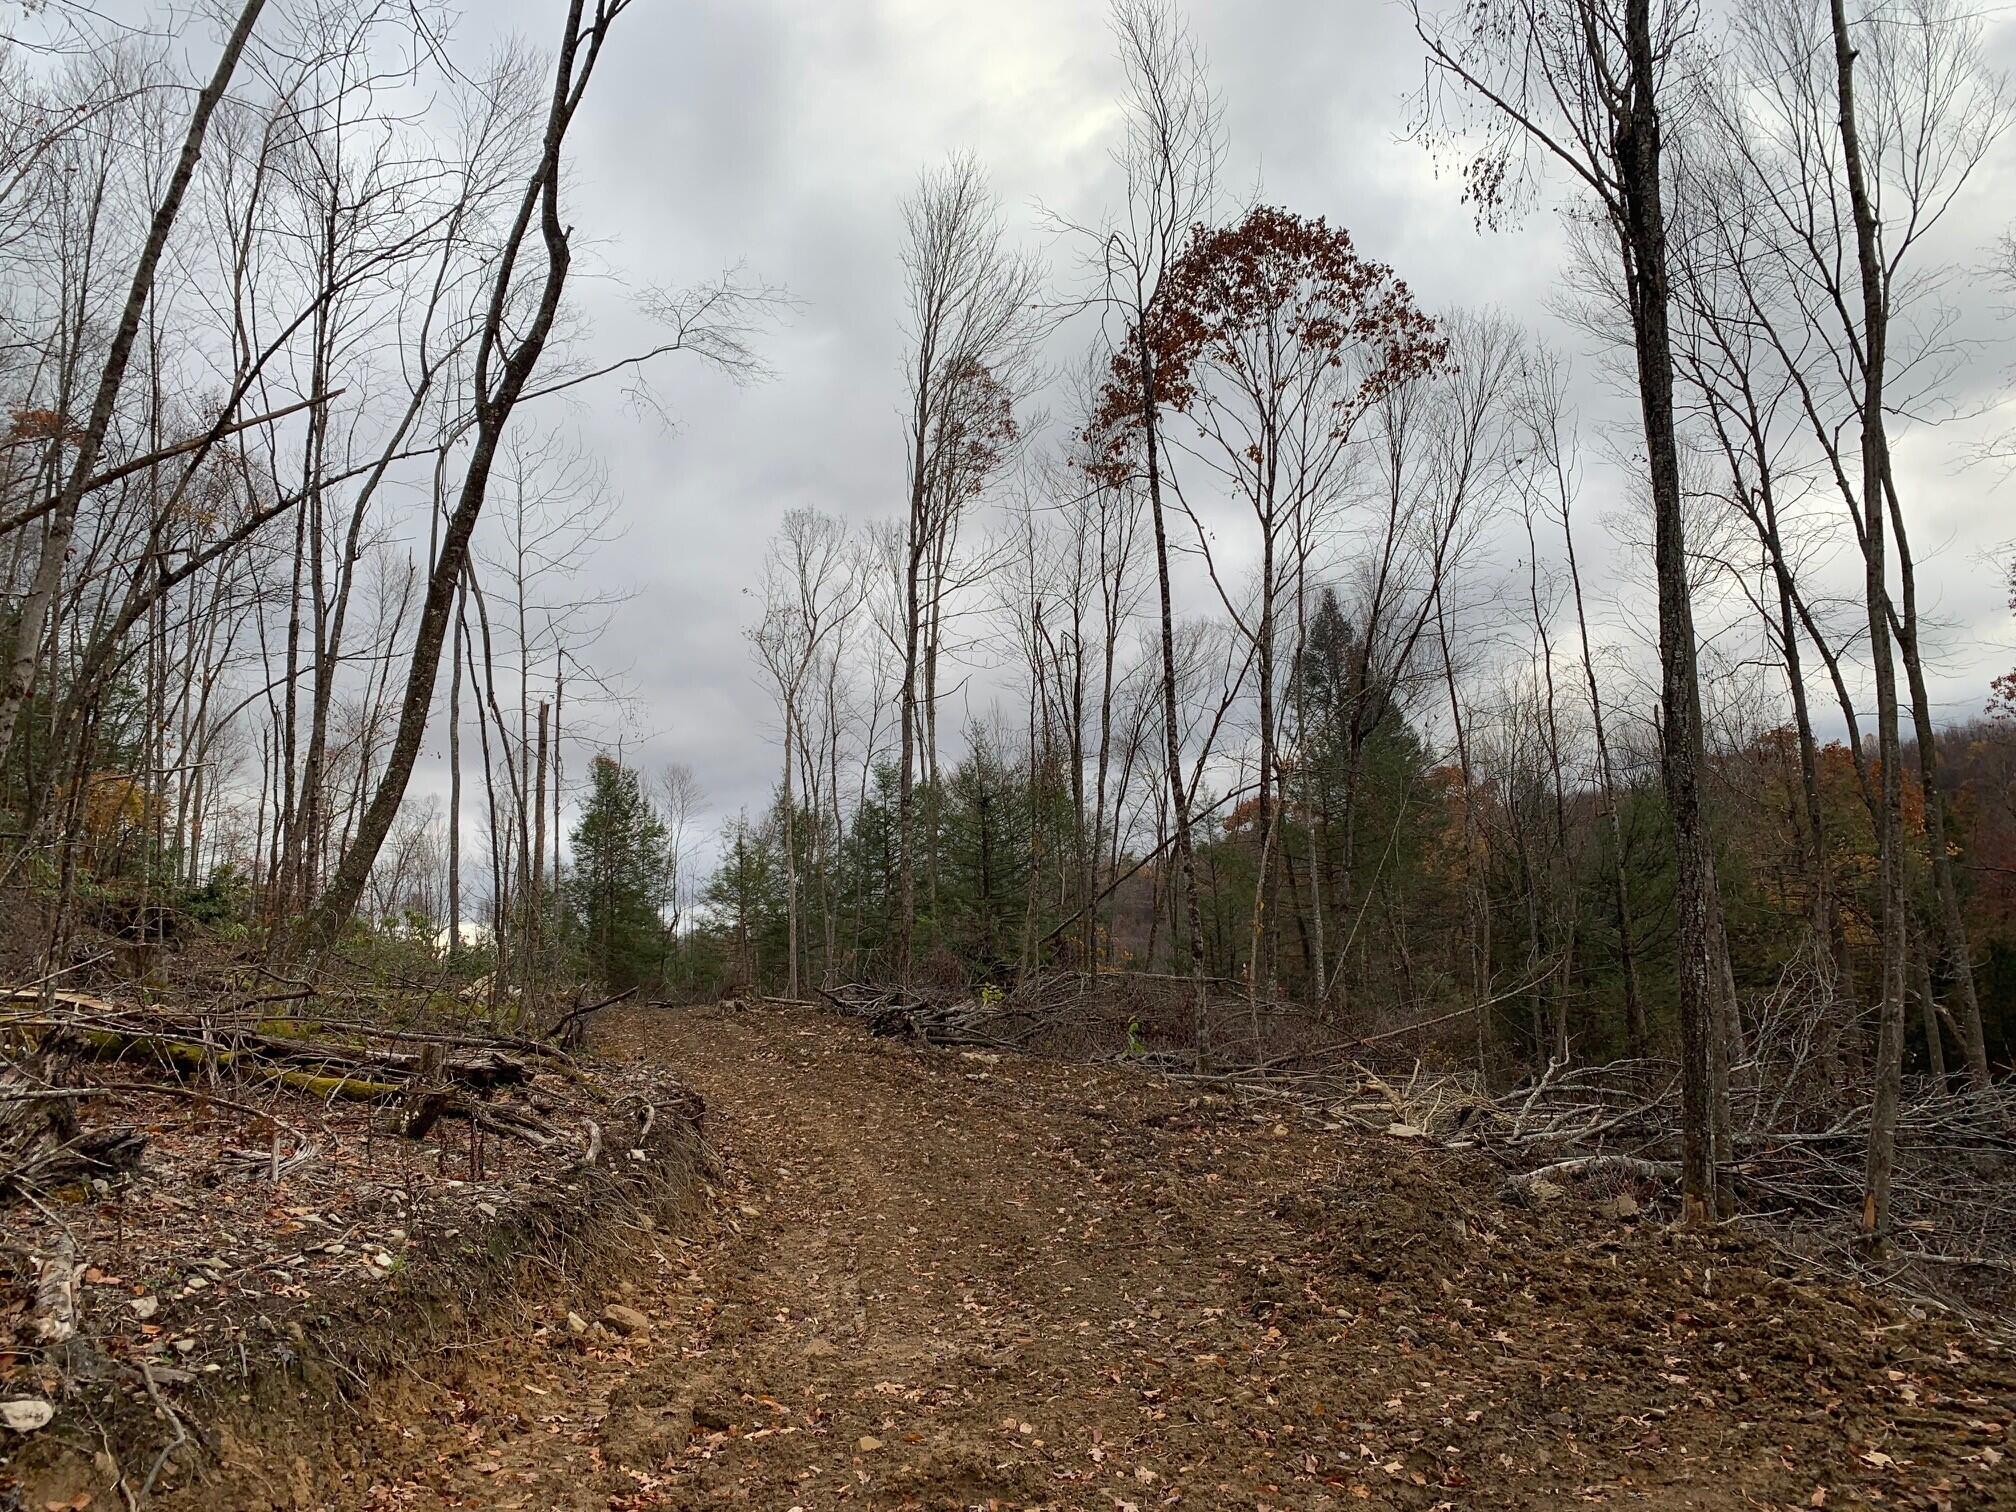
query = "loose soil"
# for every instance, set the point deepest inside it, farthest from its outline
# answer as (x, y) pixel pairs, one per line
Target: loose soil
(941, 1280)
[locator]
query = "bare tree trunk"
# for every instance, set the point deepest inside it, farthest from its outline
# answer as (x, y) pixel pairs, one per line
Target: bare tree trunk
(1637, 1031)
(1315, 828)
(1890, 869)
(1696, 903)
(1928, 1008)
(1826, 910)
(1171, 154)
(906, 796)
(535, 893)
(1477, 902)
(1561, 916)
(969, 304)
(500, 931)
(1172, 755)
(286, 821)
(559, 690)
(1259, 968)
(937, 574)
(835, 827)
(455, 788)
(539, 807)
(1952, 923)
(790, 817)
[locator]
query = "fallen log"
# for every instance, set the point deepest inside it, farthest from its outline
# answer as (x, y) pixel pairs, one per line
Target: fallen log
(31, 1109)
(418, 1118)
(357, 1027)
(484, 1068)
(314, 1067)
(291, 1040)
(82, 1000)
(42, 1146)
(426, 1097)
(326, 1088)
(423, 1111)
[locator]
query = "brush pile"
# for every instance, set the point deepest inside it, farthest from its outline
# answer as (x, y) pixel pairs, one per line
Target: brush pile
(934, 1018)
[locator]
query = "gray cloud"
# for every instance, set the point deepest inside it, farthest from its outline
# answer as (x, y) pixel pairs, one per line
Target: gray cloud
(786, 134)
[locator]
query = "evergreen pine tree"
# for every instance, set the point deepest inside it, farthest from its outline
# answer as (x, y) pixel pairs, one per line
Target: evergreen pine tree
(616, 891)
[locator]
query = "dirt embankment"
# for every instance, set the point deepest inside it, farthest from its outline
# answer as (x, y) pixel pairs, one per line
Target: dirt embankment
(235, 1322)
(933, 1279)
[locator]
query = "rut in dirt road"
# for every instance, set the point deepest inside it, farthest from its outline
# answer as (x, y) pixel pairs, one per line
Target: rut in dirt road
(943, 1280)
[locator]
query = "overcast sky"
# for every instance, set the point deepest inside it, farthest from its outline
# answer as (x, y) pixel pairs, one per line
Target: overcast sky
(784, 134)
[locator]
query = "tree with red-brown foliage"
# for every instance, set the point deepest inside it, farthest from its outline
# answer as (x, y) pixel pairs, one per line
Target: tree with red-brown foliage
(1274, 339)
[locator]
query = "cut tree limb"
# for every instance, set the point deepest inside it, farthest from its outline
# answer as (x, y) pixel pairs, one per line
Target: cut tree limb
(569, 1026)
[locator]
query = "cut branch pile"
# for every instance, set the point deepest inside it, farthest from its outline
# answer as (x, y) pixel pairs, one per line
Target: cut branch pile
(934, 1019)
(1798, 1165)
(60, 1047)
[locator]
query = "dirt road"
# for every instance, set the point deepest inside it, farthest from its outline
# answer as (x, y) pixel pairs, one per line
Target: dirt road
(941, 1280)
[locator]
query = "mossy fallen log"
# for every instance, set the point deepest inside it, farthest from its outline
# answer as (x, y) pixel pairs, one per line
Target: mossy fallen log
(326, 1077)
(483, 1063)
(482, 1070)
(349, 1088)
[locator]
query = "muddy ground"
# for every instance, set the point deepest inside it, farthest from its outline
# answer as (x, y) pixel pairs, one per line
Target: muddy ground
(943, 1280)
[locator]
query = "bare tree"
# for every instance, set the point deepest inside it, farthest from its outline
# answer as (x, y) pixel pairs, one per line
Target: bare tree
(1589, 89)
(681, 802)
(1553, 452)
(1170, 153)
(1857, 167)
(522, 303)
(24, 642)
(972, 306)
(1438, 456)
(809, 594)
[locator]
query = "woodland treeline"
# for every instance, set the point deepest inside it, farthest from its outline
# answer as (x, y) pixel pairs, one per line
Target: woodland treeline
(1393, 771)
(277, 339)
(1240, 620)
